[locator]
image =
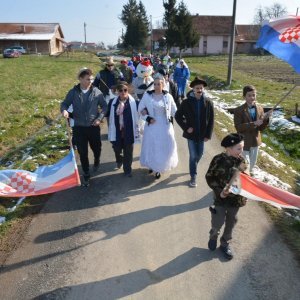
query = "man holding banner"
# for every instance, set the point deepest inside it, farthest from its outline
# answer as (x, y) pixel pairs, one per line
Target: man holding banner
(87, 101)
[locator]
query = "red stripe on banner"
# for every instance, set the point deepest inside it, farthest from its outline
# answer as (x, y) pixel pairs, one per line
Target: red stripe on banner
(63, 184)
(268, 192)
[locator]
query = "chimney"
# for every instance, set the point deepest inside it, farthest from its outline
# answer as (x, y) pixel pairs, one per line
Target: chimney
(23, 28)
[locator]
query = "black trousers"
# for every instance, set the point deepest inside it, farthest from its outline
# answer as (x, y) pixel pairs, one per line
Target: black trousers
(85, 136)
(127, 156)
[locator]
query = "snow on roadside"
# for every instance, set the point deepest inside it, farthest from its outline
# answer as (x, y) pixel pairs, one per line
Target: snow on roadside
(2, 220)
(296, 119)
(270, 179)
(277, 122)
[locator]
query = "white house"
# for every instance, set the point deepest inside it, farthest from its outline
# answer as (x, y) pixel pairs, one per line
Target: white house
(215, 35)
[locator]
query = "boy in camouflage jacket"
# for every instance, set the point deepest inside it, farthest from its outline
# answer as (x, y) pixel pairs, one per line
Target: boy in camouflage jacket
(221, 170)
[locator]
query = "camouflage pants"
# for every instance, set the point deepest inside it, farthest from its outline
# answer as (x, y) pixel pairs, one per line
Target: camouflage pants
(227, 215)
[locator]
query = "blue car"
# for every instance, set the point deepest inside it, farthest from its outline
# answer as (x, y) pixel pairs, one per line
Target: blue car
(11, 53)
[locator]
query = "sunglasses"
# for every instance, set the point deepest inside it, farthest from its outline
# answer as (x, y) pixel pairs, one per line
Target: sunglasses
(123, 90)
(110, 65)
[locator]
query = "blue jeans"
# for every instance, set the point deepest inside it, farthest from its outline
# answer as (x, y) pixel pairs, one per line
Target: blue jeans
(196, 152)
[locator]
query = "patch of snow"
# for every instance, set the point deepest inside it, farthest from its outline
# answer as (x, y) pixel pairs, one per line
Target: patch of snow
(269, 179)
(26, 157)
(296, 119)
(275, 162)
(222, 92)
(278, 122)
(43, 156)
(220, 123)
(9, 164)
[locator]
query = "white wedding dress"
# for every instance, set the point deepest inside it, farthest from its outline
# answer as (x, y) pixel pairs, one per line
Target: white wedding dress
(159, 149)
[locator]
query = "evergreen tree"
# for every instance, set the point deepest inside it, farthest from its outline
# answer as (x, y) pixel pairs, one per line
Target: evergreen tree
(134, 17)
(179, 23)
(169, 22)
(186, 36)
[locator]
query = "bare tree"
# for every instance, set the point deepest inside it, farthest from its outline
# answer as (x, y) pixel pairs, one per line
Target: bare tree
(259, 15)
(274, 11)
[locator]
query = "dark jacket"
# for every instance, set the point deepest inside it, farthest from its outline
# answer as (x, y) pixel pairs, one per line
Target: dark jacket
(85, 112)
(173, 90)
(106, 79)
(186, 118)
(220, 171)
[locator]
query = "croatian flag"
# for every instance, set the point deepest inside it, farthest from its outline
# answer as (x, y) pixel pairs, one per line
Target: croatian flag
(281, 37)
(46, 179)
(256, 190)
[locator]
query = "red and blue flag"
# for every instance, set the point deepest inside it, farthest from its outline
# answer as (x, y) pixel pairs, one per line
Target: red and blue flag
(46, 179)
(281, 37)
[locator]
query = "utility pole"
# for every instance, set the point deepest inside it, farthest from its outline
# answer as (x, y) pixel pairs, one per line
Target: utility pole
(232, 42)
(297, 11)
(151, 36)
(84, 25)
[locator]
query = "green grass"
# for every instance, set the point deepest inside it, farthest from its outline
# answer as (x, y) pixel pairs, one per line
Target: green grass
(46, 148)
(271, 77)
(266, 74)
(30, 92)
(32, 88)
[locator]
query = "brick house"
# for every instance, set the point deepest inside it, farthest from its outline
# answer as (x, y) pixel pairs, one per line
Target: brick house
(215, 35)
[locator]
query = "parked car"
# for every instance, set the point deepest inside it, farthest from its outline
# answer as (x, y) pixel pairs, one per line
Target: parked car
(21, 49)
(11, 53)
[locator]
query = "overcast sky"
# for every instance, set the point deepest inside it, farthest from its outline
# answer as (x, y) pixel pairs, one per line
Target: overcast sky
(101, 16)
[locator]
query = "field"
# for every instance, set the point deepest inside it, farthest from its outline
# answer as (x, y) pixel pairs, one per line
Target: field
(31, 89)
(273, 79)
(31, 132)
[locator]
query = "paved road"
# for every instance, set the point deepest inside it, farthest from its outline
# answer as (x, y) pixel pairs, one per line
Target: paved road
(140, 238)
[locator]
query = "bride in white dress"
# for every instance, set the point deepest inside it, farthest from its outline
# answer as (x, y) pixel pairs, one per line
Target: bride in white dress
(159, 149)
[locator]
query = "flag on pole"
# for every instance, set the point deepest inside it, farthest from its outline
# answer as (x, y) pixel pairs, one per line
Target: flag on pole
(256, 190)
(46, 179)
(281, 37)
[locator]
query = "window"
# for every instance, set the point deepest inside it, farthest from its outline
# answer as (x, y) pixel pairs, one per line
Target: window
(204, 43)
(225, 44)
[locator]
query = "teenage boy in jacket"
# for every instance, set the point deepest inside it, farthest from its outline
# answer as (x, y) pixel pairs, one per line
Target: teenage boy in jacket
(196, 118)
(87, 101)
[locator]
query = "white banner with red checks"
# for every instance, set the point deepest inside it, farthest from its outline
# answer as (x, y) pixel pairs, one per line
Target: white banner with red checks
(46, 179)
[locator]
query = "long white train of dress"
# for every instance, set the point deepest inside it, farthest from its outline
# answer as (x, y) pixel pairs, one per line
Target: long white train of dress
(159, 148)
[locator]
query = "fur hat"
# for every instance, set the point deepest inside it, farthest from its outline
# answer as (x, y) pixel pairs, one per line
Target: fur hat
(196, 81)
(232, 139)
(109, 61)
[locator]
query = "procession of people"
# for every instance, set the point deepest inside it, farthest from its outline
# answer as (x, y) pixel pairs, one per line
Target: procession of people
(147, 117)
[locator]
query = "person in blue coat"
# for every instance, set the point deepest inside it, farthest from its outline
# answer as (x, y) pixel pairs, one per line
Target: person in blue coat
(181, 76)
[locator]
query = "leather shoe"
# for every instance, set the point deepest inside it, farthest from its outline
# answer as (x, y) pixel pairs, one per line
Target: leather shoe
(227, 252)
(212, 244)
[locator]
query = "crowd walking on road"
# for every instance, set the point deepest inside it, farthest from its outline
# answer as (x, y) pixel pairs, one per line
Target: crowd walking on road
(145, 115)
